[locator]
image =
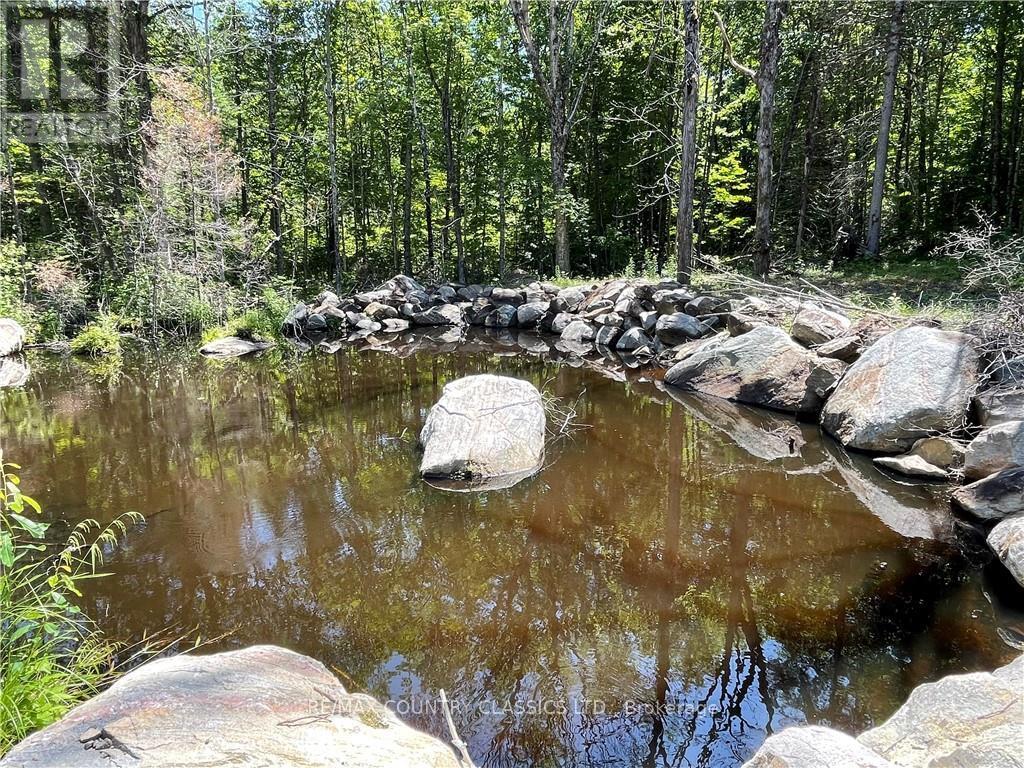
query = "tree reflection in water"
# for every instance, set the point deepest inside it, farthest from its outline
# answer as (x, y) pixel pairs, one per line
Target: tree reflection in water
(684, 577)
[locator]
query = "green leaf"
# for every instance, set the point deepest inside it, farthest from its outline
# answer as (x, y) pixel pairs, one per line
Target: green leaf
(34, 527)
(6, 550)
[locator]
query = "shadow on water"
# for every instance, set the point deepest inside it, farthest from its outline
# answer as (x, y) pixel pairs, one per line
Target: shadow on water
(683, 577)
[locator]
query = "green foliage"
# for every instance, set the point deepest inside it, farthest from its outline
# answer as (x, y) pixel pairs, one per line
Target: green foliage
(51, 655)
(259, 323)
(100, 337)
(13, 274)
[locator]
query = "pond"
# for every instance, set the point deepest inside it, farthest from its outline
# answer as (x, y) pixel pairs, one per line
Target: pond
(683, 577)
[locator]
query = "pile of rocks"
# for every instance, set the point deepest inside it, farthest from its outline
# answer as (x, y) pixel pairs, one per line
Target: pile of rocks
(910, 393)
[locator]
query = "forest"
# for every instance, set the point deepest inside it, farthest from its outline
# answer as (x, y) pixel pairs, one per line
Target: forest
(262, 147)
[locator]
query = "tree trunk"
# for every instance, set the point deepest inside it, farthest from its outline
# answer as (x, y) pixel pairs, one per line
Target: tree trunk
(995, 174)
(812, 117)
(767, 72)
(885, 123)
(559, 150)
(334, 253)
(501, 155)
(407, 205)
(688, 133)
(275, 170)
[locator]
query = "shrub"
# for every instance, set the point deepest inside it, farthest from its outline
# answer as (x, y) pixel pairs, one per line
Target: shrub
(260, 323)
(100, 337)
(51, 655)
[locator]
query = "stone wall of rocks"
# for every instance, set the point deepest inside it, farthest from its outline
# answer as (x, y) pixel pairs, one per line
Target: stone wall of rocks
(915, 394)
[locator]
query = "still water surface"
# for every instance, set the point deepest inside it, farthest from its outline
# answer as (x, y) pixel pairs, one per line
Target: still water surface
(684, 576)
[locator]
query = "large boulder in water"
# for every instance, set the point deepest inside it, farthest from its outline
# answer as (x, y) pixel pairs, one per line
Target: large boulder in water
(994, 497)
(763, 367)
(232, 346)
(14, 372)
(484, 427)
(909, 384)
(12, 336)
(262, 705)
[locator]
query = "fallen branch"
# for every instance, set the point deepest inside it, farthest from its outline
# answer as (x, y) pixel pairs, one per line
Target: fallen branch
(458, 742)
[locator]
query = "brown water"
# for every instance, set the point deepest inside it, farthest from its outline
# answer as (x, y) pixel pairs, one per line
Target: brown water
(682, 578)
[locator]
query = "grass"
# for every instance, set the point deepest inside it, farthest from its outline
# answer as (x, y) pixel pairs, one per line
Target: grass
(52, 656)
(100, 337)
(261, 323)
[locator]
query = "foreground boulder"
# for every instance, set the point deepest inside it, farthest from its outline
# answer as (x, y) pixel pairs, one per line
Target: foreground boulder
(1007, 541)
(995, 449)
(233, 346)
(762, 367)
(960, 721)
(814, 746)
(12, 336)
(993, 497)
(262, 705)
(484, 427)
(909, 384)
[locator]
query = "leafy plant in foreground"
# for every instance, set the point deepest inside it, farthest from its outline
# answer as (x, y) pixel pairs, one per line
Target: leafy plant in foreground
(52, 656)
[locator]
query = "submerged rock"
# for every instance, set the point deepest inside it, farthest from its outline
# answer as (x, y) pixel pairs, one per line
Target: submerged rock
(261, 705)
(762, 367)
(232, 346)
(1007, 541)
(484, 427)
(995, 449)
(971, 720)
(12, 336)
(994, 497)
(909, 384)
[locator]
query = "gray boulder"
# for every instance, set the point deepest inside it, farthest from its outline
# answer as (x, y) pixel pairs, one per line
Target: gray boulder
(294, 323)
(909, 384)
(261, 705)
(316, 323)
(445, 293)
(997, 406)
(814, 746)
(993, 497)
(633, 340)
(816, 325)
(1007, 541)
(528, 315)
(996, 448)
(737, 324)
(503, 316)
(940, 451)
(471, 292)
(569, 299)
(506, 296)
(560, 321)
(232, 346)
(327, 299)
(911, 465)
(678, 328)
(702, 305)
(763, 367)
(960, 721)
(672, 300)
(845, 348)
(613, 319)
(444, 314)
(484, 427)
(607, 335)
(578, 330)
(379, 311)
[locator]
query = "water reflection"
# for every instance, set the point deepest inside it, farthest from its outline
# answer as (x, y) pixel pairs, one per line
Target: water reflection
(684, 577)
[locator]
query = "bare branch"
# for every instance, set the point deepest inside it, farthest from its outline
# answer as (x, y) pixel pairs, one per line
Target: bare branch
(743, 70)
